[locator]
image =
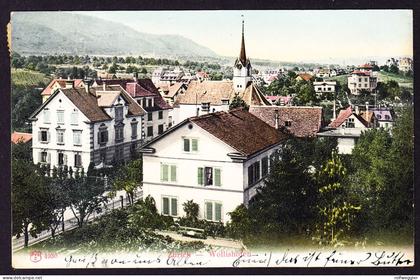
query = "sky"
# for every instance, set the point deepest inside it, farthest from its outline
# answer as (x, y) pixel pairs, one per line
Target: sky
(334, 36)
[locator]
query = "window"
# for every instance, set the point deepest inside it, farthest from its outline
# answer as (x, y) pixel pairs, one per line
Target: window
(350, 123)
(205, 107)
(119, 113)
(167, 172)
(366, 85)
(150, 116)
(46, 116)
(77, 137)
(360, 80)
(253, 173)
(43, 157)
(74, 117)
(44, 135)
(209, 176)
(60, 136)
(169, 206)
(160, 129)
(102, 134)
(119, 133)
(288, 123)
(264, 166)
(62, 158)
(150, 131)
(149, 102)
(319, 88)
(225, 101)
(60, 116)
(329, 89)
(190, 144)
(366, 79)
(134, 129)
(213, 211)
(160, 115)
(77, 160)
(119, 152)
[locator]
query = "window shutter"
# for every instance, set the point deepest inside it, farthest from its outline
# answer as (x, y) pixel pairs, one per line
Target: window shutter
(165, 172)
(174, 207)
(250, 175)
(106, 136)
(40, 157)
(65, 159)
(186, 145)
(200, 176)
(161, 172)
(173, 173)
(218, 212)
(49, 158)
(99, 137)
(217, 179)
(209, 211)
(39, 136)
(194, 144)
(165, 206)
(48, 136)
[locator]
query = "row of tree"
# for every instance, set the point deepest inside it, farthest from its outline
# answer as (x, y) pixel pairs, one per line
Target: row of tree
(314, 193)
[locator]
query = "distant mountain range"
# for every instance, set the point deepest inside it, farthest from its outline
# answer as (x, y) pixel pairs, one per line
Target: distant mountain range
(41, 33)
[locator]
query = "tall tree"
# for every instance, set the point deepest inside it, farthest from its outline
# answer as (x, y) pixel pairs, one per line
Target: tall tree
(128, 179)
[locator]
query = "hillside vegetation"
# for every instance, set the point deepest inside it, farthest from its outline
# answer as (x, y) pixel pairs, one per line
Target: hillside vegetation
(23, 77)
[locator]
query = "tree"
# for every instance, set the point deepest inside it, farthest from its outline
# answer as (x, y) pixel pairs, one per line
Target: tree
(22, 151)
(113, 68)
(335, 212)
(394, 69)
(85, 196)
(238, 102)
(128, 179)
(191, 210)
(30, 211)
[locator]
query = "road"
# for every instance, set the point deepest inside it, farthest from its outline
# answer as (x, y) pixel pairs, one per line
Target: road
(70, 222)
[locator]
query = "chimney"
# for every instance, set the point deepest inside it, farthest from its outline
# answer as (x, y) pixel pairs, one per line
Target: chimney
(69, 84)
(136, 76)
(87, 85)
(104, 86)
(276, 118)
(367, 107)
(357, 109)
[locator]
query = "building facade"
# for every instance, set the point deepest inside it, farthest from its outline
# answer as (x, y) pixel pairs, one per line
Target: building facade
(77, 126)
(198, 160)
(362, 80)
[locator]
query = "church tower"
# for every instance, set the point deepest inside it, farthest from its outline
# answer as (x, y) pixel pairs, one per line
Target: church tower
(242, 69)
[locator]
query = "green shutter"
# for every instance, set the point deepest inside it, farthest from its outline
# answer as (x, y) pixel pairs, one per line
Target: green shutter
(217, 179)
(186, 145)
(194, 144)
(200, 178)
(173, 173)
(165, 206)
(165, 172)
(209, 211)
(174, 207)
(218, 212)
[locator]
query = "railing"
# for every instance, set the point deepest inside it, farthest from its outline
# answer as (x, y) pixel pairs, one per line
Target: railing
(70, 224)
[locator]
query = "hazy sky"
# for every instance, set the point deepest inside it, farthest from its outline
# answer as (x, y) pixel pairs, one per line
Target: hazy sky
(284, 35)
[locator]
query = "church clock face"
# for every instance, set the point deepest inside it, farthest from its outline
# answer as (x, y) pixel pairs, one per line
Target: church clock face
(239, 66)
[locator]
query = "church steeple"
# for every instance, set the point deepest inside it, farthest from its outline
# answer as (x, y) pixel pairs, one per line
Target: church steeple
(242, 54)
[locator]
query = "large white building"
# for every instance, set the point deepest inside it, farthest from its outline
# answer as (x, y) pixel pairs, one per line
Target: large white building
(77, 126)
(217, 160)
(362, 80)
(327, 87)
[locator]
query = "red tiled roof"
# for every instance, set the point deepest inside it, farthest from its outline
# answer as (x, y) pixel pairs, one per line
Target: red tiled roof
(23, 137)
(62, 84)
(341, 118)
(305, 121)
(146, 88)
(241, 130)
(358, 72)
(305, 76)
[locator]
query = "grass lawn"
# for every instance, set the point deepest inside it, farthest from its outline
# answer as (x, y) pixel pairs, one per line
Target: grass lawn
(28, 78)
(400, 79)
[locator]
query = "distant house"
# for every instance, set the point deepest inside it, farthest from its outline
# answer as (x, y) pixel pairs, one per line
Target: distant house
(217, 160)
(167, 76)
(77, 126)
(60, 83)
(384, 117)
(299, 121)
(347, 128)
(324, 73)
(21, 137)
(202, 76)
(170, 93)
(304, 77)
(405, 64)
(328, 87)
(362, 80)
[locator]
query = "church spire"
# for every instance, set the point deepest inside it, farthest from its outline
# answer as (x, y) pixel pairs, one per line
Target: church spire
(242, 54)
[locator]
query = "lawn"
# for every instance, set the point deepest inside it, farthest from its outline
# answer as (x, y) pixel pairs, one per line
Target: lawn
(28, 78)
(400, 79)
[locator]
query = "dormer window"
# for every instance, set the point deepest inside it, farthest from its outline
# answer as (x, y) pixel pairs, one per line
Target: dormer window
(205, 106)
(119, 113)
(288, 123)
(225, 101)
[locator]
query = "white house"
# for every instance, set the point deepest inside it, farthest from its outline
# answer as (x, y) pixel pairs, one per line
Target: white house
(347, 128)
(362, 80)
(203, 97)
(405, 64)
(327, 87)
(217, 160)
(76, 126)
(384, 117)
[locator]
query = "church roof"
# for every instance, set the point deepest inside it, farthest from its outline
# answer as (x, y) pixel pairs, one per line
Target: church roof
(214, 92)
